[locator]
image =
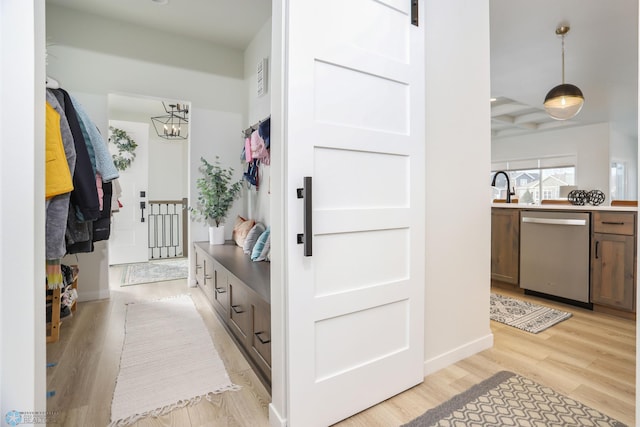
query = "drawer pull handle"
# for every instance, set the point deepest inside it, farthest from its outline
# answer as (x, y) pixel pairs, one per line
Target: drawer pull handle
(612, 223)
(267, 341)
(236, 309)
(207, 277)
(220, 290)
(597, 245)
(198, 267)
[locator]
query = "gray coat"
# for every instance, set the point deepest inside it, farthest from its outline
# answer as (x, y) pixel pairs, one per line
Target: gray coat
(57, 208)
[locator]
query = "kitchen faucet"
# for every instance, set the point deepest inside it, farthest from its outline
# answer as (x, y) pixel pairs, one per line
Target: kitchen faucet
(509, 193)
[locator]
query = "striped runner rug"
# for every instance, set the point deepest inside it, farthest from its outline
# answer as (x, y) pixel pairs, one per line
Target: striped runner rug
(168, 361)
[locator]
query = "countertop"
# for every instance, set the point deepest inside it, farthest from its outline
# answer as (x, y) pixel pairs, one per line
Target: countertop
(551, 207)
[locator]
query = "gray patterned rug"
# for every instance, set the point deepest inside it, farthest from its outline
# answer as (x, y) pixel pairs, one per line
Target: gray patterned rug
(154, 271)
(524, 315)
(507, 399)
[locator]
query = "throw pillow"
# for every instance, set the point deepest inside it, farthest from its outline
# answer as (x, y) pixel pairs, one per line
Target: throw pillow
(259, 246)
(241, 229)
(266, 251)
(252, 238)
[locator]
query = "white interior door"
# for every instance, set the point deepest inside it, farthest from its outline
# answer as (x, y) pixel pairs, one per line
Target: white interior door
(129, 241)
(355, 125)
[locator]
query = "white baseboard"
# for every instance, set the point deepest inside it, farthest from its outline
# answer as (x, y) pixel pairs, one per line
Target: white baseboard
(449, 358)
(275, 419)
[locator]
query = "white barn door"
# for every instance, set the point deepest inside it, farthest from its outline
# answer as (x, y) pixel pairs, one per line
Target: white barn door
(354, 125)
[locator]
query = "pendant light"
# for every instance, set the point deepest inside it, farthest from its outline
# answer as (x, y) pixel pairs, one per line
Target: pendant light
(175, 125)
(564, 101)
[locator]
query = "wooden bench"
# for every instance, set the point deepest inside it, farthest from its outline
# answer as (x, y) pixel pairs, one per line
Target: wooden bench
(239, 291)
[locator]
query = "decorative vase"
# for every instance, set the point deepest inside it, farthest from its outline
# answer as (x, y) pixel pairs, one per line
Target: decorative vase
(216, 235)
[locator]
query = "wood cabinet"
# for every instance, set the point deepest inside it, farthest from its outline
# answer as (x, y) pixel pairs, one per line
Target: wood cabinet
(260, 339)
(240, 313)
(220, 289)
(505, 245)
(204, 274)
(613, 260)
(239, 292)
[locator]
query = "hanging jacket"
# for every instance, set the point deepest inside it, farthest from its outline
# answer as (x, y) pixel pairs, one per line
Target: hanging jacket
(265, 131)
(258, 148)
(57, 174)
(84, 197)
(102, 226)
(57, 207)
(103, 161)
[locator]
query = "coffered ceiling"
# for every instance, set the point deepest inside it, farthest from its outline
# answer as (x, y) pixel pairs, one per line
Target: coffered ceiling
(601, 58)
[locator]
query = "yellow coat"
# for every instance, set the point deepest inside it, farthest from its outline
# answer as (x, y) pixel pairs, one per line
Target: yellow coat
(57, 174)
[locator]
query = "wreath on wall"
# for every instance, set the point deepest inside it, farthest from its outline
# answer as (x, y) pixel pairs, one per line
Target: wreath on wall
(126, 148)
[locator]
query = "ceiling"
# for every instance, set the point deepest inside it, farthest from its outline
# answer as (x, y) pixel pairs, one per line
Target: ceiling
(231, 23)
(601, 51)
(601, 58)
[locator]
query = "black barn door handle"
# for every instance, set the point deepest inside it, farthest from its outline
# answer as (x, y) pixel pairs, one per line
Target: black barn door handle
(306, 237)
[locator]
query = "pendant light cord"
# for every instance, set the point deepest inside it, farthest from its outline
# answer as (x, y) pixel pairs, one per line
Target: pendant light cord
(563, 59)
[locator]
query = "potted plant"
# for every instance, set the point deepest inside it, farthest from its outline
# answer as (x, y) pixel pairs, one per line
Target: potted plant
(217, 191)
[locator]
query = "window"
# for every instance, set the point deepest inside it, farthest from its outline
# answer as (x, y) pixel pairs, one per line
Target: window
(552, 178)
(618, 180)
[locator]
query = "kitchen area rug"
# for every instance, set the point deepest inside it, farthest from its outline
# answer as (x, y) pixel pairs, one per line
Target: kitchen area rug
(168, 361)
(524, 315)
(507, 399)
(154, 271)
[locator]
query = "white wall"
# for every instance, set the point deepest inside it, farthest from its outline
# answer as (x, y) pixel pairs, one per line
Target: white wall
(22, 266)
(218, 101)
(458, 219)
(168, 160)
(589, 143)
(215, 133)
(259, 108)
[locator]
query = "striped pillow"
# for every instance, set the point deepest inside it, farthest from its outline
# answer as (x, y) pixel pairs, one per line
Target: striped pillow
(257, 253)
(252, 238)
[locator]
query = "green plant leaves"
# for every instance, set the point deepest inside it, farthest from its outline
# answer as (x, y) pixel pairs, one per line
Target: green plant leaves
(217, 192)
(126, 148)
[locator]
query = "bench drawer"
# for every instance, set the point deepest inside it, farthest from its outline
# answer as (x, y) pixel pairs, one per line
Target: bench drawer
(261, 338)
(239, 308)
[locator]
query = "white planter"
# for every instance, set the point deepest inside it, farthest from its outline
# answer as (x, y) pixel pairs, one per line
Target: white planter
(216, 235)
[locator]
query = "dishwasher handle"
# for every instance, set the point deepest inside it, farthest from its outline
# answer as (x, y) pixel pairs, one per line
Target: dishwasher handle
(554, 221)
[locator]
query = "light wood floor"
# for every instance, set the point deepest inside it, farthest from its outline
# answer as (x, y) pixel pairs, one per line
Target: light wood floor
(590, 357)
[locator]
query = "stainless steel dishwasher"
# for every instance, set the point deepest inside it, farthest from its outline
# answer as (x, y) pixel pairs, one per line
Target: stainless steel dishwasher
(554, 254)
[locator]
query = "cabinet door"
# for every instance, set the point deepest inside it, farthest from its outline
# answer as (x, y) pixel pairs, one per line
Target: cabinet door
(204, 272)
(239, 309)
(200, 256)
(261, 336)
(207, 282)
(613, 271)
(505, 245)
(220, 290)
